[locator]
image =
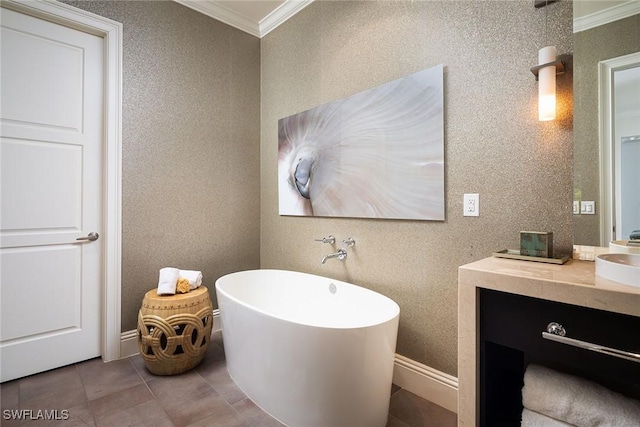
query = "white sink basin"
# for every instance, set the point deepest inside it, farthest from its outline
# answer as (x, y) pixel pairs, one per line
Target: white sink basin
(622, 268)
(620, 246)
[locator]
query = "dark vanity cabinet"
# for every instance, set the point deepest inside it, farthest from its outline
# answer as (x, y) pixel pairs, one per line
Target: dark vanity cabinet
(510, 337)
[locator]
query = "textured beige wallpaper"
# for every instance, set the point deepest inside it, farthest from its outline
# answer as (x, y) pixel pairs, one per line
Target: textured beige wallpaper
(191, 154)
(592, 46)
(494, 145)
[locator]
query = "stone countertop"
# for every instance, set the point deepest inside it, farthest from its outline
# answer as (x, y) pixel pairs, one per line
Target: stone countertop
(574, 282)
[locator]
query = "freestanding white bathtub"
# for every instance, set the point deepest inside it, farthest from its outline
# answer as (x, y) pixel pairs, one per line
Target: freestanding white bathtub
(310, 351)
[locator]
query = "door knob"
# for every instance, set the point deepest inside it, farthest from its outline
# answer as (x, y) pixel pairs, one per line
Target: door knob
(91, 236)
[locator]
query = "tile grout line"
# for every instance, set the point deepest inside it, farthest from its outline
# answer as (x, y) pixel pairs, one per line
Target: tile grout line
(242, 417)
(146, 384)
(86, 395)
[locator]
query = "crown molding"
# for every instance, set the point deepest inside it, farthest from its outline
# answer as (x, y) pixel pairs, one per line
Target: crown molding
(230, 17)
(283, 12)
(222, 14)
(606, 16)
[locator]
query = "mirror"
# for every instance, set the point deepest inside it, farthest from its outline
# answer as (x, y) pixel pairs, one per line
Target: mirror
(592, 47)
(619, 96)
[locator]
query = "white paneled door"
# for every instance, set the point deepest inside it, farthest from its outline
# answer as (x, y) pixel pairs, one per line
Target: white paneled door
(51, 195)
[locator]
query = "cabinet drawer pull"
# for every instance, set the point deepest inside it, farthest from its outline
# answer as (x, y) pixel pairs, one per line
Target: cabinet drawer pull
(556, 333)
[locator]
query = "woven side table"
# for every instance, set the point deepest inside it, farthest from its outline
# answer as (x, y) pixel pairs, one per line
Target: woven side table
(174, 330)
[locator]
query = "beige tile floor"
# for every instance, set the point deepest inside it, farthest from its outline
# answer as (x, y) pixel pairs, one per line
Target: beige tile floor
(124, 393)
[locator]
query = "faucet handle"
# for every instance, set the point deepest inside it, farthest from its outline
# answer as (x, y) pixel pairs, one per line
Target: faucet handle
(349, 242)
(329, 239)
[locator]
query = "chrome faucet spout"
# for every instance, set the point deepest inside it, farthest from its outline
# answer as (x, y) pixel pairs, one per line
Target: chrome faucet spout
(341, 255)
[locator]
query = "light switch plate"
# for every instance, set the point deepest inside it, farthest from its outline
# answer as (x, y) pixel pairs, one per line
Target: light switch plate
(588, 208)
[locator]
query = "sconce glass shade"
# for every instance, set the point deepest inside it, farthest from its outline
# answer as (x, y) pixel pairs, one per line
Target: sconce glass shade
(547, 84)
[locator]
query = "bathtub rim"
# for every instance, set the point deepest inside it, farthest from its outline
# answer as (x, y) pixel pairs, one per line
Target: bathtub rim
(385, 319)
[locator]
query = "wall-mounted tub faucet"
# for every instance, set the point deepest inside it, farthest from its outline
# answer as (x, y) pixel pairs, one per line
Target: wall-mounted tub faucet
(342, 252)
(329, 239)
(341, 255)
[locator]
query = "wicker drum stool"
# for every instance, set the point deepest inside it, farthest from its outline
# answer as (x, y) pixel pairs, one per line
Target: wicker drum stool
(174, 330)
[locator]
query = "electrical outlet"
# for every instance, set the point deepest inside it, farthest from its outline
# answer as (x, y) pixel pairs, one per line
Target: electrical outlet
(471, 205)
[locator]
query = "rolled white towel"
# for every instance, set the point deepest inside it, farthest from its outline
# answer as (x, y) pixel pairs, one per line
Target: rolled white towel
(576, 400)
(168, 280)
(534, 419)
(194, 278)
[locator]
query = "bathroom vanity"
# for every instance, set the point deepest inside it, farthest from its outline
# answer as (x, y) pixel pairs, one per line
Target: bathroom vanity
(505, 305)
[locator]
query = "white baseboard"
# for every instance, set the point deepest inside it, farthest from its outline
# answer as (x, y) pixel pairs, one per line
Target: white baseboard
(128, 344)
(419, 379)
(426, 382)
(216, 320)
(129, 339)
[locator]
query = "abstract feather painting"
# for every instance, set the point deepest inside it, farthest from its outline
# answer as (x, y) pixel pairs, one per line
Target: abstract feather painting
(376, 154)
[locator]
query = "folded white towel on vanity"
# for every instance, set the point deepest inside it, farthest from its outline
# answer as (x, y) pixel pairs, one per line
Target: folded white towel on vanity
(168, 280)
(576, 400)
(194, 278)
(534, 419)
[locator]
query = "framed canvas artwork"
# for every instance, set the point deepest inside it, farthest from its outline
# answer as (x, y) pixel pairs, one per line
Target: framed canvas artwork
(376, 154)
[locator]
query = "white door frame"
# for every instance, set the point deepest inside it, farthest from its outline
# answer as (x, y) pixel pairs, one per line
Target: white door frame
(111, 32)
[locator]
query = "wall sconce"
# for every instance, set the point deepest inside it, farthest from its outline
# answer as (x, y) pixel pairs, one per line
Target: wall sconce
(546, 70)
